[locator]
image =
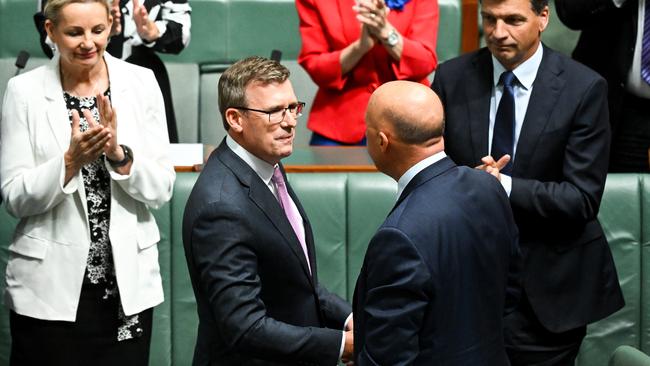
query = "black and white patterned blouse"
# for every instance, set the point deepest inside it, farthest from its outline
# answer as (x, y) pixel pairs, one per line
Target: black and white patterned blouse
(100, 269)
(172, 19)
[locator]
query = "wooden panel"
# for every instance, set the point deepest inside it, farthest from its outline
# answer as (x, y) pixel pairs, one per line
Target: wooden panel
(470, 39)
(313, 159)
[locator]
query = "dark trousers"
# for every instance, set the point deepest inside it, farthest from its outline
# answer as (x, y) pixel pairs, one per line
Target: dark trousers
(631, 137)
(90, 340)
(528, 343)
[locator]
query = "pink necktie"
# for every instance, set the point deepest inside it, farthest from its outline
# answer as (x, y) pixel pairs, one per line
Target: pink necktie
(291, 211)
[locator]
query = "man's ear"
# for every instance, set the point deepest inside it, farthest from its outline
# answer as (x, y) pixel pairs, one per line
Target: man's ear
(383, 141)
(543, 19)
(234, 120)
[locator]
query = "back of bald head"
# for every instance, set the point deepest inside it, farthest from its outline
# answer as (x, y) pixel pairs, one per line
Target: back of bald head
(413, 112)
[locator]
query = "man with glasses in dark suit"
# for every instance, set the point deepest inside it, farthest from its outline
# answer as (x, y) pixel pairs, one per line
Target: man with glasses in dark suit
(248, 242)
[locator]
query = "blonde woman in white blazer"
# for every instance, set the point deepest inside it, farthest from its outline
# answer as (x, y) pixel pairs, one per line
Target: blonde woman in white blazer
(84, 155)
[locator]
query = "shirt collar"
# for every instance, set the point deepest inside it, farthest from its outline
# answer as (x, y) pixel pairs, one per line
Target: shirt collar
(406, 178)
(525, 73)
(261, 167)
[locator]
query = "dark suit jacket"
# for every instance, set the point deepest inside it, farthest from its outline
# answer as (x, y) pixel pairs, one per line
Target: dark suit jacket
(558, 179)
(607, 40)
(433, 283)
(256, 301)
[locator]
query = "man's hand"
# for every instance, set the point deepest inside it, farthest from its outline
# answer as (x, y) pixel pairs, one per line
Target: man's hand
(494, 167)
(348, 348)
(350, 324)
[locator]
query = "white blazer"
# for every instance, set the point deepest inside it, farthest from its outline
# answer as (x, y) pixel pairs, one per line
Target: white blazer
(50, 246)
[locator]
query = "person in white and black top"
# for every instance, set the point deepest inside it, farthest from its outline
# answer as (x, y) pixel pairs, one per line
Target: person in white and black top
(82, 273)
(140, 29)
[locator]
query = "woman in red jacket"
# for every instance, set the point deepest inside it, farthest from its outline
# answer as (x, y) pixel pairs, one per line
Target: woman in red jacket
(350, 48)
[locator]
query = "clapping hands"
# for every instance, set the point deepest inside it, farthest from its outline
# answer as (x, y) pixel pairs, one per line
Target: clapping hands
(146, 27)
(492, 166)
(99, 138)
(373, 14)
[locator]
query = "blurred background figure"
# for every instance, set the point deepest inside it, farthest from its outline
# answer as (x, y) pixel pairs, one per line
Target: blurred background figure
(140, 29)
(620, 52)
(83, 276)
(350, 48)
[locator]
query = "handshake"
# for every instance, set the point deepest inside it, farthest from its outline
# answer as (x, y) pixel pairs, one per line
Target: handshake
(348, 347)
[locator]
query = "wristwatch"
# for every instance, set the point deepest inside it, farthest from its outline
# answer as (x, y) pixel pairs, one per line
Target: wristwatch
(128, 156)
(393, 38)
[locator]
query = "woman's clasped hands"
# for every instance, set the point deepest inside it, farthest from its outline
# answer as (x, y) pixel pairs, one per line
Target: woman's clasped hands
(373, 14)
(99, 138)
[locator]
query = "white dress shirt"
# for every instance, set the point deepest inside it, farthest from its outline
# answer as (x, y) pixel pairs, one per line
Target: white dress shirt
(525, 74)
(263, 169)
(635, 84)
(406, 178)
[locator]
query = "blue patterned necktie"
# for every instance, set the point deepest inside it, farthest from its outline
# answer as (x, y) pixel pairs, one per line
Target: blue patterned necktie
(645, 42)
(503, 136)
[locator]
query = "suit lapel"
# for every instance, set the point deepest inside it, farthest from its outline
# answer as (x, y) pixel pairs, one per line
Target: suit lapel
(425, 175)
(262, 197)
(123, 99)
(478, 97)
(57, 114)
(546, 91)
(309, 237)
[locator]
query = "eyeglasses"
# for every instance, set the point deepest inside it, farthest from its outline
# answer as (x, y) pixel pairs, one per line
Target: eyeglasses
(277, 115)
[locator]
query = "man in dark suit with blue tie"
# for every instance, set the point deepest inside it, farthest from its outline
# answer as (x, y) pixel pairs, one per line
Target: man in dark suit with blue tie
(434, 282)
(545, 115)
(248, 243)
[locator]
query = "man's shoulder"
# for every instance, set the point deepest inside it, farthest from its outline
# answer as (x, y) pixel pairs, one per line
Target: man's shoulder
(213, 180)
(569, 68)
(461, 62)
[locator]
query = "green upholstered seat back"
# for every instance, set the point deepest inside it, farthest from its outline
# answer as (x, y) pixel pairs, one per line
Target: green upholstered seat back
(7, 225)
(183, 304)
(629, 356)
(621, 219)
(345, 209)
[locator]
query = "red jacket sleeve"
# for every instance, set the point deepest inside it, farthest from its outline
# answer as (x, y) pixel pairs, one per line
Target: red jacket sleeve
(316, 56)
